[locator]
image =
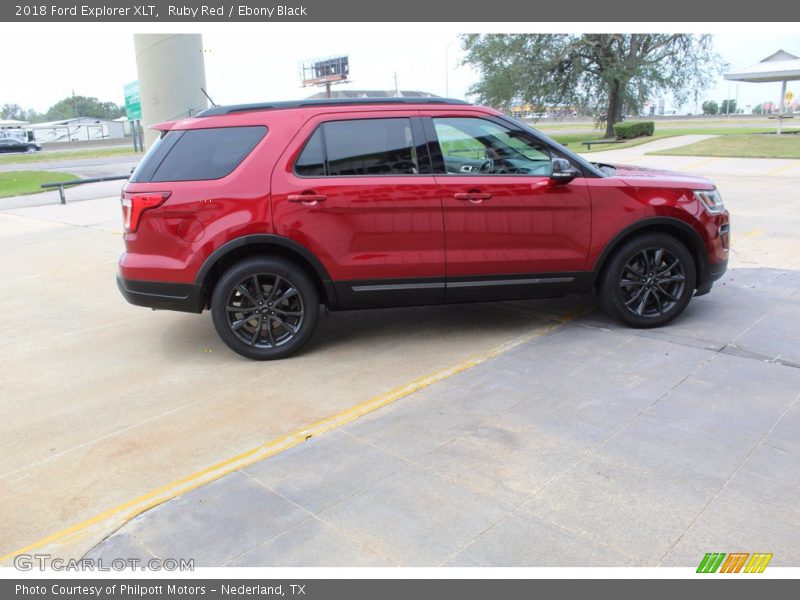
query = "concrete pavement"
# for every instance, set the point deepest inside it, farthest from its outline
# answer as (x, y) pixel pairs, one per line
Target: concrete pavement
(103, 402)
(590, 446)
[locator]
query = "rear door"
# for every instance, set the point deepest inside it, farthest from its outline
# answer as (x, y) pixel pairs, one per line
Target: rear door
(357, 190)
(511, 231)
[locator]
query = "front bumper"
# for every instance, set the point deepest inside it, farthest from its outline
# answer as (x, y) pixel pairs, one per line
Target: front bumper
(158, 295)
(713, 273)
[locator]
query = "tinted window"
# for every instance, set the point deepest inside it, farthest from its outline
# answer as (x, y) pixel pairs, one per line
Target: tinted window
(311, 162)
(371, 147)
(198, 154)
(153, 157)
(473, 146)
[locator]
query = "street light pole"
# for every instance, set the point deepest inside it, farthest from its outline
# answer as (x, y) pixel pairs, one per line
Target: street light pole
(782, 108)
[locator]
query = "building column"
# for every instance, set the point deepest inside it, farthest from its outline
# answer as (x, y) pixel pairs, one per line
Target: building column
(171, 72)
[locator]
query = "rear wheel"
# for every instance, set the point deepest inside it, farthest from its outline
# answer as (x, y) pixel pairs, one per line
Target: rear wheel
(649, 281)
(265, 308)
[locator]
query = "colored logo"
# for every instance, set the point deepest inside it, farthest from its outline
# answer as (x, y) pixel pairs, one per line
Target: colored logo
(734, 562)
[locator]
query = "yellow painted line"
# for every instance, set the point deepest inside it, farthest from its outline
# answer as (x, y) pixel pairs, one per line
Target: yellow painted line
(753, 233)
(117, 516)
(702, 163)
(783, 168)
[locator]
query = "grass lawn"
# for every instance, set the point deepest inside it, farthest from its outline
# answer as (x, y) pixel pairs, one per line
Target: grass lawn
(17, 183)
(10, 159)
(574, 139)
(743, 146)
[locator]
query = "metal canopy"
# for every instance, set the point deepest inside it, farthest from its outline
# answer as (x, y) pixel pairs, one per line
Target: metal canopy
(780, 66)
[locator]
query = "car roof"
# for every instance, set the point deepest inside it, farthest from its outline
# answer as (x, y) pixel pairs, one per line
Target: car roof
(321, 102)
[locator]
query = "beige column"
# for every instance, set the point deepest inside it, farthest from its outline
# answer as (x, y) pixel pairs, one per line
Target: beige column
(171, 72)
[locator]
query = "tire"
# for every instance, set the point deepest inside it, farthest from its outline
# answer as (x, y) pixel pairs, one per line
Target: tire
(278, 307)
(649, 281)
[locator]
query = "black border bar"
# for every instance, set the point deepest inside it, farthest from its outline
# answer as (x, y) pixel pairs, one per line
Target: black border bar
(333, 11)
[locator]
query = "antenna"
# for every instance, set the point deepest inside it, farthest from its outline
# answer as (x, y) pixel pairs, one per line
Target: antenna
(209, 97)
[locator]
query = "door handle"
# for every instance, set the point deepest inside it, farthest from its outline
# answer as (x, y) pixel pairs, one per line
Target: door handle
(475, 197)
(306, 198)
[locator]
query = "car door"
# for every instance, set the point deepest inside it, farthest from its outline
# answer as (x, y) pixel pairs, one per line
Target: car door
(510, 230)
(357, 190)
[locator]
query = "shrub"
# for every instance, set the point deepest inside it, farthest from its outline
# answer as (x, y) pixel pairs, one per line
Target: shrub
(627, 131)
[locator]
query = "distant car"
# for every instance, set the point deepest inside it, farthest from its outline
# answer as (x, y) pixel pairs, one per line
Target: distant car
(15, 145)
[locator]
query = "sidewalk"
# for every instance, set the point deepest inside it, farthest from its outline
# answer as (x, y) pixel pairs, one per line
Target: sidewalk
(593, 445)
(706, 166)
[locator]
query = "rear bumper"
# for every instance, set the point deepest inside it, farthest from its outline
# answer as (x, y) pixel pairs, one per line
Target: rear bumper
(184, 297)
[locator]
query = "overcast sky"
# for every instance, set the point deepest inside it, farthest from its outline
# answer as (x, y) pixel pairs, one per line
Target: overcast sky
(252, 67)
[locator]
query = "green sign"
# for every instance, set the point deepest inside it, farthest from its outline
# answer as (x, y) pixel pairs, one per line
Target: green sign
(133, 103)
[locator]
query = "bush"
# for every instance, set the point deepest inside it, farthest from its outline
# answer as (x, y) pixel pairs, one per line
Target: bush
(628, 131)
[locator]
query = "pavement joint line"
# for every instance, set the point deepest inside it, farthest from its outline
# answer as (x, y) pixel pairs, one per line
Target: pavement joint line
(313, 515)
(122, 513)
(593, 451)
(755, 447)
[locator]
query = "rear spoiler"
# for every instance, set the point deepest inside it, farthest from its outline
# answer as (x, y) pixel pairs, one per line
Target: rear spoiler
(165, 126)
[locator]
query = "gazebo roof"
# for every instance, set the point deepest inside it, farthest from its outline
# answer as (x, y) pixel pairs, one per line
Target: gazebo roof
(780, 66)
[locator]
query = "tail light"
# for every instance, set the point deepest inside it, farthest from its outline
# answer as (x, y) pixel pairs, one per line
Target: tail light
(134, 204)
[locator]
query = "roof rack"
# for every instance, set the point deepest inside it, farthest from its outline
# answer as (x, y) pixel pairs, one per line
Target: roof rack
(234, 108)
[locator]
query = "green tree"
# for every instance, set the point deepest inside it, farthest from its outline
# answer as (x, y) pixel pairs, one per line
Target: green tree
(12, 111)
(83, 106)
(600, 73)
(32, 116)
(710, 107)
(758, 109)
(728, 107)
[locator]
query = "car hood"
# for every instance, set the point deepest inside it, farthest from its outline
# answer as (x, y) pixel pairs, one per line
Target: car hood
(646, 177)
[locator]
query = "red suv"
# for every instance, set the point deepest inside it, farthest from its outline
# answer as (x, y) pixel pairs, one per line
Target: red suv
(262, 212)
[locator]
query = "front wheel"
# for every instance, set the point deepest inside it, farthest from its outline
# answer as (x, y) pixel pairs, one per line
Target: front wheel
(265, 308)
(649, 281)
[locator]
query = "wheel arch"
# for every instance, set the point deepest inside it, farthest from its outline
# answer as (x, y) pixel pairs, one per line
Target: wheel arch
(678, 229)
(264, 244)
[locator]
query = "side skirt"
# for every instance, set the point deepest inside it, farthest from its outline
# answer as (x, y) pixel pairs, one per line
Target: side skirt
(385, 293)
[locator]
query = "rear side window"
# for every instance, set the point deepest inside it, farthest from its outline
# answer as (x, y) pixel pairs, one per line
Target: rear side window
(311, 162)
(363, 147)
(198, 154)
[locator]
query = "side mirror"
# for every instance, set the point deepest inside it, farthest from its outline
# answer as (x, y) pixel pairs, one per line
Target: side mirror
(562, 171)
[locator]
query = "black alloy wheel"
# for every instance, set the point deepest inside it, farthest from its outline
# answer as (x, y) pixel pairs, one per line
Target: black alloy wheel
(265, 308)
(649, 281)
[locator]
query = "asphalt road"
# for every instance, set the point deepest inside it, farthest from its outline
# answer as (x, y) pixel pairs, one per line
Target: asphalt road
(85, 168)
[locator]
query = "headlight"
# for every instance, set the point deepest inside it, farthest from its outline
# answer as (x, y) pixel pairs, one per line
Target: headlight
(711, 200)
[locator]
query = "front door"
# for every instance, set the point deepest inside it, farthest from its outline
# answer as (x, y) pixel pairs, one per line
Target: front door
(511, 231)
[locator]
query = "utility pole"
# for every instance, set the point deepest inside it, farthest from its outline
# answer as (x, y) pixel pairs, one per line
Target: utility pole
(396, 87)
(75, 105)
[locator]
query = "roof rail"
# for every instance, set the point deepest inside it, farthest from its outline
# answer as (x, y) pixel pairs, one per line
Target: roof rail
(234, 108)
